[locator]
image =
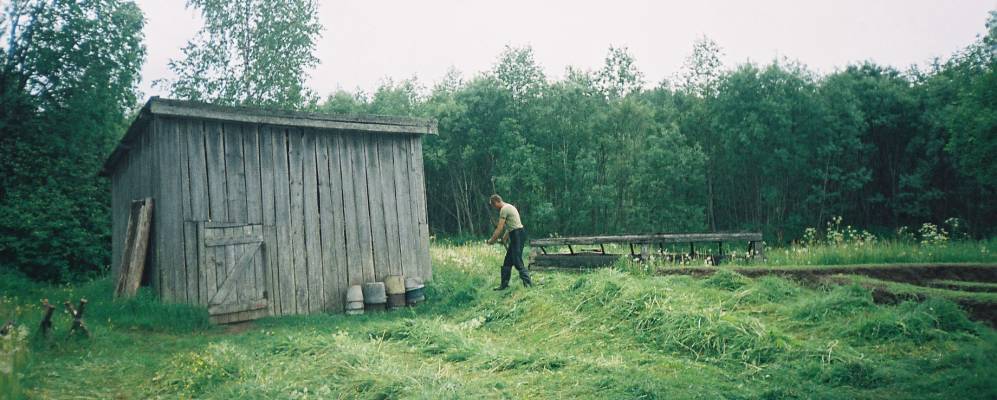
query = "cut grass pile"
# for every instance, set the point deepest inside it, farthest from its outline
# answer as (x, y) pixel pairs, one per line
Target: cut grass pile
(612, 333)
(906, 290)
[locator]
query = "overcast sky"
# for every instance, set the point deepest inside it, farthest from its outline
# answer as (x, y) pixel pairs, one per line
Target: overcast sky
(365, 41)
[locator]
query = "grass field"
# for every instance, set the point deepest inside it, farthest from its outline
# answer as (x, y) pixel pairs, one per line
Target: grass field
(885, 252)
(616, 333)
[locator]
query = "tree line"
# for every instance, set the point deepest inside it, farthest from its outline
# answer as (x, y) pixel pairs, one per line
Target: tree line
(773, 147)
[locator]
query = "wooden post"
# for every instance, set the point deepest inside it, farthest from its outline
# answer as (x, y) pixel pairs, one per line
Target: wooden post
(758, 248)
(46, 324)
(720, 256)
(644, 253)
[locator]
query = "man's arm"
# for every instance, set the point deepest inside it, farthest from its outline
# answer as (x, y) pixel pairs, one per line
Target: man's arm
(498, 231)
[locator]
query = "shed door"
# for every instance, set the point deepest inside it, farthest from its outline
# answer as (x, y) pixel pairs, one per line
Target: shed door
(233, 270)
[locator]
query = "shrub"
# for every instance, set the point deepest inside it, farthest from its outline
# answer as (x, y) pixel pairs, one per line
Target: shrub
(56, 232)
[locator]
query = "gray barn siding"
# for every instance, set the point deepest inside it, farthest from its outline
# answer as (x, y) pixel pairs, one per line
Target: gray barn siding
(130, 182)
(142, 162)
(254, 202)
(334, 271)
(297, 220)
(418, 209)
(282, 214)
(337, 208)
(268, 217)
(406, 230)
(353, 259)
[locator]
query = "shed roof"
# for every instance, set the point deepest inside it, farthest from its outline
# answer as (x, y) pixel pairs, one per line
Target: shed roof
(193, 109)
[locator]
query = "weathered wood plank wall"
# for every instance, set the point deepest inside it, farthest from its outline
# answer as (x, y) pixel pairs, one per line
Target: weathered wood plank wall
(337, 208)
(129, 182)
(418, 187)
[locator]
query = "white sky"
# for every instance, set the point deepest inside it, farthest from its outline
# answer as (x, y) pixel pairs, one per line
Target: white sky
(365, 41)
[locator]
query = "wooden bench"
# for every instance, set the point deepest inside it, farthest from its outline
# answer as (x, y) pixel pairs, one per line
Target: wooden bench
(599, 257)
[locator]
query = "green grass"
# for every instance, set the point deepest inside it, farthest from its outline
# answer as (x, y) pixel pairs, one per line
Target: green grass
(885, 252)
(909, 290)
(617, 333)
(965, 285)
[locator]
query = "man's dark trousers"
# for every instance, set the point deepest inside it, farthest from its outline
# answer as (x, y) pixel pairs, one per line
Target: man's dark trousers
(514, 257)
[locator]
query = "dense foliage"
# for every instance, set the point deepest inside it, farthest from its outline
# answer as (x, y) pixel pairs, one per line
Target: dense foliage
(68, 74)
(773, 147)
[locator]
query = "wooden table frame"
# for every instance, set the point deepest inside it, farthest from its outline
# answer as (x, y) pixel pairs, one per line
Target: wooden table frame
(756, 246)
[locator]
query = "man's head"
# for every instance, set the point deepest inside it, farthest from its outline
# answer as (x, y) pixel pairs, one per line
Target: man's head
(496, 201)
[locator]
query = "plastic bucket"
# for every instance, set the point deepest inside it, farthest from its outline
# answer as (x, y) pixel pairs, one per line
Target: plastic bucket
(415, 296)
(374, 298)
(354, 293)
(394, 284)
(414, 291)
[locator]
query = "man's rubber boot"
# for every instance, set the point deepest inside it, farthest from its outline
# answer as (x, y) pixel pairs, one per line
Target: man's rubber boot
(524, 275)
(503, 287)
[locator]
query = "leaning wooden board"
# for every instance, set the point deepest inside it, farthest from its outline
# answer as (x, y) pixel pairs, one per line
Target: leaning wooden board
(136, 244)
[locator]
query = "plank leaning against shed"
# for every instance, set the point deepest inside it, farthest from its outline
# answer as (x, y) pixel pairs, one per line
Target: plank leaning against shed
(271, 212)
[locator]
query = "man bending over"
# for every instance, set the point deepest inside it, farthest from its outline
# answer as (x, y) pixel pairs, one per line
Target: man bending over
(511, 227)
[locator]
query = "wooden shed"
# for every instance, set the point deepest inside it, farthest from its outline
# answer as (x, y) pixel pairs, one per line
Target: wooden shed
(268, 212)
